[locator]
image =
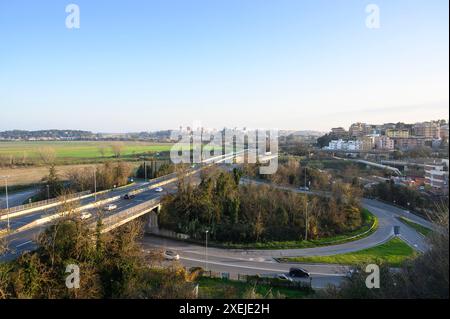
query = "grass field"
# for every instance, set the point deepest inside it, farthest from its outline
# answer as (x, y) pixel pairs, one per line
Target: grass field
(393, 252)
(419, 228)
(78, 149)
(215, 288)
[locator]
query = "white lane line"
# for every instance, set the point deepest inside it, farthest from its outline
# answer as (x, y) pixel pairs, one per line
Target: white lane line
(255, 268)
(23, 244)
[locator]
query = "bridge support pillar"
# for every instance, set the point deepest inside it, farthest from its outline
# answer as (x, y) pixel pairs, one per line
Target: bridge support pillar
(151, 225)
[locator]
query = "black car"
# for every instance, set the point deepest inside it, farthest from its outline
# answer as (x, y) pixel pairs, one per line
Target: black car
(129, 196)
(298, 272)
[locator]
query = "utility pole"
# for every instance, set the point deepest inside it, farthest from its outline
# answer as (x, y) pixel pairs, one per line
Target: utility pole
(7, 200)
(305, 177)
(206, 250)
(48, 192)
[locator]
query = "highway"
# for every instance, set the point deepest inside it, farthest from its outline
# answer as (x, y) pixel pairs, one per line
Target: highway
(25, 240)
(17, 198)
(246, 261)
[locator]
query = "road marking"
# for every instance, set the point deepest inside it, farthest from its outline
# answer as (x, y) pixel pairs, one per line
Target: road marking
(23, 244)
(255, 268)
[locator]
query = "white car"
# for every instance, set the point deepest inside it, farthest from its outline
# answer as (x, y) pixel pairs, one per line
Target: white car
(85, 215)
(110, 207)
(284, 277)
(171, 255)
(158, 189)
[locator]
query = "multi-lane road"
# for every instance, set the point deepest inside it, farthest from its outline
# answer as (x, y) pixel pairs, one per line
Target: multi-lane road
(238, 260)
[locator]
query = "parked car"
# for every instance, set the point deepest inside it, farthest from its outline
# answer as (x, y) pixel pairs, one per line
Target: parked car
(129, 196)
(284, 277)
(158, 189)
(110, 207)
(298, 272)
(85, 215)
(171, 255)
(351, 272)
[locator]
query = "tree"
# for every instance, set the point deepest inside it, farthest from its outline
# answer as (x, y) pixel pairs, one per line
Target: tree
(53, 186)
(47, 155)
(102, 149)
(117, 149)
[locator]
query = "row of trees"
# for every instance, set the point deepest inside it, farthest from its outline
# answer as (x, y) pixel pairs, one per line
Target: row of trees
(401, 195)
(290, 172)
(107, 176)
(249, 213)
(155, 169)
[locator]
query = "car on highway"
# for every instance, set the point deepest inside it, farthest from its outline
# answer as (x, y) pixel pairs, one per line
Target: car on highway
(129, 196)
(298, 272)
(85, 215)
(110, 207)
(158, 189)
(305, 188)
(171, 255)
(283, 277)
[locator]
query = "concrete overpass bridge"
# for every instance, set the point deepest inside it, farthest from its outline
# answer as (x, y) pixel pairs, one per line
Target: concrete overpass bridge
(27, 224)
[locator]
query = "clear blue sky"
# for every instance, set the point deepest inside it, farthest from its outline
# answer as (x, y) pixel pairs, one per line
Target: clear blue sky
(287, 64)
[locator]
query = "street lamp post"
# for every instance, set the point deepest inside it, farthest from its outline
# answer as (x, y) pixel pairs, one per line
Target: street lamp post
(306, 223)
(206, 250)
(95, 184)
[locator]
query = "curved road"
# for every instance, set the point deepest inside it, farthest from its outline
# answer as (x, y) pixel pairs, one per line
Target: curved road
(262, 261)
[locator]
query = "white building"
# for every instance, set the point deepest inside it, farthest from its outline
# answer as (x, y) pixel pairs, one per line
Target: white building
(436, 176)
(341, 145)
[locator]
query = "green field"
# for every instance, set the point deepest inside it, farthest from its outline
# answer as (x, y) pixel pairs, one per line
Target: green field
(419, 228)
(215, 288)
(393, 252)
(78, 149)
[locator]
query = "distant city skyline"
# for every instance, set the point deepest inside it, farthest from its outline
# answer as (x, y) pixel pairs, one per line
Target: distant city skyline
(155, 65)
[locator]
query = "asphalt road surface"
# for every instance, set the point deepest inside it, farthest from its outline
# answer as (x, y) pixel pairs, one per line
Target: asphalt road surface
(238, 260)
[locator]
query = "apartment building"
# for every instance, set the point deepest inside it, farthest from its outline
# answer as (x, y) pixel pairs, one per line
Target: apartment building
(359, 129)
(339, 131)
(427, 130)
(436, 176)
(384, 143)
(409, 143)
(444, 132)
(397, 133)
(341, 145)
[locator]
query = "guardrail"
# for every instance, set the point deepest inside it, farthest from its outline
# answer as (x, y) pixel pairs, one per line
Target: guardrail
(122, 217)
(41, 203)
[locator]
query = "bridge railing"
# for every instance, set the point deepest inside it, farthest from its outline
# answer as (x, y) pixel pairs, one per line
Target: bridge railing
(116, 218)
(41, 203)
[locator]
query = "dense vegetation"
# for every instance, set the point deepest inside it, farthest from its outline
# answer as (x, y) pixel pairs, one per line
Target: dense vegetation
(111, 266)
(107, 176)
(404, 196)
(247, 213)
(155, 169)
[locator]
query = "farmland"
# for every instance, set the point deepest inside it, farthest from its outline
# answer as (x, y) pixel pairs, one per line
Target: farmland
(74, 152)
